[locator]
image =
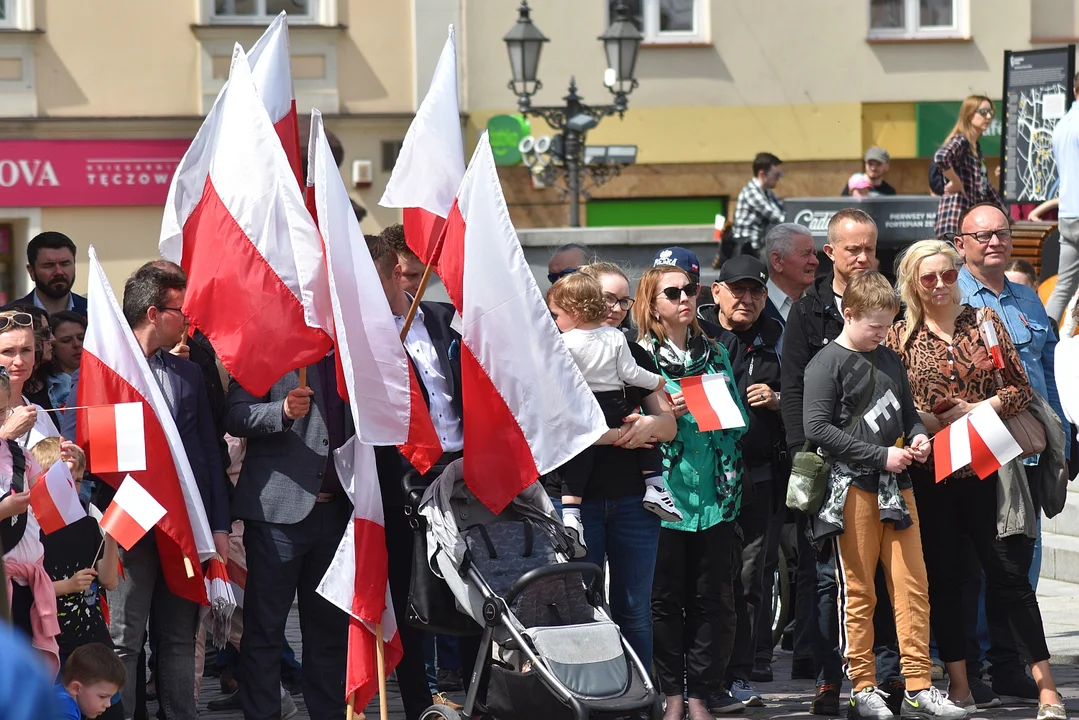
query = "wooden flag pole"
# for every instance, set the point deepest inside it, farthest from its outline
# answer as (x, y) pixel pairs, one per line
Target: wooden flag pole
(380, 656)
(98, 553)
(350, 708)
(416, 300)
(303, 377)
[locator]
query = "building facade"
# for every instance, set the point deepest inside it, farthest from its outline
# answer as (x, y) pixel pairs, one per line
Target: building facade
(98, 99)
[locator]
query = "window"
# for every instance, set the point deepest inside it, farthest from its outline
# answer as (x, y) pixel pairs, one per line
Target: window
(918, 19)
(5, 14)
(258, 11)
(668, 21)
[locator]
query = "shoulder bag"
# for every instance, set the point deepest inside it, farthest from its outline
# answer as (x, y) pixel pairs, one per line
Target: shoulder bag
(1024, 427)
(809, 472)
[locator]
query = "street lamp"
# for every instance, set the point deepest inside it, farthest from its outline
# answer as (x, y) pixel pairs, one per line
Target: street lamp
(621, 43)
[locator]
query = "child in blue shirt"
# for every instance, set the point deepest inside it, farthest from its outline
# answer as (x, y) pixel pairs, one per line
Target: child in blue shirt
(91, 678)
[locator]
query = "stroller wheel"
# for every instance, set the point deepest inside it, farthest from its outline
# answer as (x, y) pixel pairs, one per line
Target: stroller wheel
(440, 712)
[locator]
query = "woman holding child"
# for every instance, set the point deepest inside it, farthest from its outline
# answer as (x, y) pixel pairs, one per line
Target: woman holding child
(945, 348)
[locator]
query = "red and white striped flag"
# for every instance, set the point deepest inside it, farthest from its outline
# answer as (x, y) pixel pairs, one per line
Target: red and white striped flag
(118, 436)
(979, 439)
(252, 254)
(55, 499)
(114, 370)
(132, 513)
(708, 398)
(527, 408)
(373, 364)
(357, 579)
(431, 164)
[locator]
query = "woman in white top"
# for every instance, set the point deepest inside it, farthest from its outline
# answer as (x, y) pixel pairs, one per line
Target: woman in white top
(25, 423)
(1067, 369)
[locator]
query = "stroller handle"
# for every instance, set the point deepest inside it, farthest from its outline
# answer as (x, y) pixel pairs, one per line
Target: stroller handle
(541, 572)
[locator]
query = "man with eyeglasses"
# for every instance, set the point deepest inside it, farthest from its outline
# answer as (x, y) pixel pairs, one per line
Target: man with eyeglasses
(985, 244)
(757, 207)
(567, 259)
(814, 321)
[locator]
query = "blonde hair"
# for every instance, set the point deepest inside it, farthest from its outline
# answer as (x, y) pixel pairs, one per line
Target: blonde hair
(644, 310)
(868, 292)
(907, 279)
(580, 295)
(963, 125)
(47, 454)
(598, 269)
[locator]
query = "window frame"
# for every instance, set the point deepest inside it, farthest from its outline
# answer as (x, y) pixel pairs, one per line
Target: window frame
(912, 30)
(20, 15)
(11, 11)
(700, 34)
(317, 14)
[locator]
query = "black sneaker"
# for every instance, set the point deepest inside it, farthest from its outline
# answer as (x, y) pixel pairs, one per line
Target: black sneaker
(723, 703)
(450, 681)
(803, 669)
(894, 689)
(1016, 688)
(826, 701)
(762, 673)
(983, 695)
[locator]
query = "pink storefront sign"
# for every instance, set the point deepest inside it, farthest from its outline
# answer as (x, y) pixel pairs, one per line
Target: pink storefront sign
(87, 173)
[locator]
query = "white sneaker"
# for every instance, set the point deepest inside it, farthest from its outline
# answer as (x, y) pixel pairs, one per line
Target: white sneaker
(930, 704)
(575, 530)
(657, 500)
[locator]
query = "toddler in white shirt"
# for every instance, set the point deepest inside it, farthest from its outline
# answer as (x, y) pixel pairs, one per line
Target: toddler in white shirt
(603, 356)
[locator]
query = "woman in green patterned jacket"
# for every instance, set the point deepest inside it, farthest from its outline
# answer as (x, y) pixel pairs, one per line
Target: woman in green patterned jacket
(693, 612)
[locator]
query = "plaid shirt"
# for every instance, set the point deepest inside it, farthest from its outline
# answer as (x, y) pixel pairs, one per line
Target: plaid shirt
(956, 155)
(755, 209)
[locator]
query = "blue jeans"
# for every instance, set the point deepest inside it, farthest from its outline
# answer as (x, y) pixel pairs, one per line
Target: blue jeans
(627, 535)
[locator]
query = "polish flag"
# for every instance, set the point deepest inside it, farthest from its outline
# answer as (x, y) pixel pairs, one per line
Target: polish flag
(720, 222)
(357, 579)
(709, 399)
(114, 370)
(272, 74)
(55, 499)
(256, 274)
(431, 164)
(119, 438)
(979, 439)
(132, 513)
(527, 408)
(373, 364)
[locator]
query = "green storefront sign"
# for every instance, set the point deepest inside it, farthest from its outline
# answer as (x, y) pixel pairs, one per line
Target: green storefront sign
(934, 120)
(506, 132)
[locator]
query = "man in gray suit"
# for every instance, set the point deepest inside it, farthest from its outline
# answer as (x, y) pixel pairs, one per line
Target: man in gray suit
(295, 513)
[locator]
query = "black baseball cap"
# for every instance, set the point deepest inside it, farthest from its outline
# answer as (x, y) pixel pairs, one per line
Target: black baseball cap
(743, 267)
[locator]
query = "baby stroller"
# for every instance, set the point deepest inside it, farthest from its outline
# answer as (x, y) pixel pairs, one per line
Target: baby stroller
(549, 650)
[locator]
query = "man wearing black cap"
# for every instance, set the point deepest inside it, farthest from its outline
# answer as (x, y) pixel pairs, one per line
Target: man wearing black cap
(751, 338)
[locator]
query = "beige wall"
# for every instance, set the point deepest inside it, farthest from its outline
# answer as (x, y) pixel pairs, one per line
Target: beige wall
(375, 56)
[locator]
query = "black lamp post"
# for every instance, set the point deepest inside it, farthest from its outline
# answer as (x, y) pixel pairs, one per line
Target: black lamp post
(621, 42)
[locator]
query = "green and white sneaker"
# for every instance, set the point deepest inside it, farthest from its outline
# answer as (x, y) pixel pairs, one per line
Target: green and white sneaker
(869, 704)
(930, 704)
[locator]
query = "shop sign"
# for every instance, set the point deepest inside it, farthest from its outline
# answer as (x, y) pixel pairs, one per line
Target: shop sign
(87, 173)
(934, 120)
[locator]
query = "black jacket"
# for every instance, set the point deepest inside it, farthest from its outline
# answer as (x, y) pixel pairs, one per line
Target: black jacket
(813, 322)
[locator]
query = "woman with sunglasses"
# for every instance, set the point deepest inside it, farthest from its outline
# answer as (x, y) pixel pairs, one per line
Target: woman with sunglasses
(693, 610)
(951, 372)
(963, 165)
(25, 423)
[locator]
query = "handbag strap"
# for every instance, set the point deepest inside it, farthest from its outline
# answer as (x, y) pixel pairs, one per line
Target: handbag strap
(863, 404)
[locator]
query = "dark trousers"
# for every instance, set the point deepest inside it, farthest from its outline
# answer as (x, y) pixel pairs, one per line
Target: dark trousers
(750, 599)
(765, 646)
(693, 609)
(967, 506)
(283, 562)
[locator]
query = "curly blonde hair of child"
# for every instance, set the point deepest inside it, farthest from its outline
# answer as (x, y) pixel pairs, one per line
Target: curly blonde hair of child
(579, 295)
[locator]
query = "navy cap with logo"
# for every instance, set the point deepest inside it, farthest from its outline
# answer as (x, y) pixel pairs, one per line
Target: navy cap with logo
(680, 258)
(743, 267)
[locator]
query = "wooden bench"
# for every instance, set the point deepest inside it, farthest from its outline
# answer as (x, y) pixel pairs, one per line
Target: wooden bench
(1028, 239)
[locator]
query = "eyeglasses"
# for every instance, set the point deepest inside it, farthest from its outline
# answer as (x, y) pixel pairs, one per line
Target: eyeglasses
(986, 112)
(616, 302)
(165, 308)
(929, 280)
(984, 236)
(554, 277)
(674, 294)
(19, 319)
(757, 291)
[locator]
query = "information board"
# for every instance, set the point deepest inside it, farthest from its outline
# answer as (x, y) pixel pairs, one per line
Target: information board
(1037, 93)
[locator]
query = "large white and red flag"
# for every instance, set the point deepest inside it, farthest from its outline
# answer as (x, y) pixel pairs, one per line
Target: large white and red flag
(979, 439)
(431, 164)
(271, 72)
(386, 399)
(357, 578)
(256, 275)
(527, 408)
(114, 370)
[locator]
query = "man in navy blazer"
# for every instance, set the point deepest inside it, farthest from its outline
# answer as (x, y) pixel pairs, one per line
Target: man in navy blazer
(51, 263)
(153, 297)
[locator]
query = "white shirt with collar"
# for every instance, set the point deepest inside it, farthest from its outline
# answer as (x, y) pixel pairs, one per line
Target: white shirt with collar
(780, 299)
(70, 302)
(422, 350)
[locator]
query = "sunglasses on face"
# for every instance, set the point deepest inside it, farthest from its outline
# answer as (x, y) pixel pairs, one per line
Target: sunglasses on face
(929, 280)
(984, 236)
(674, 294)
(554, 277)
(986, 112)
(19, 319)
(757, 291)
(617, 302)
